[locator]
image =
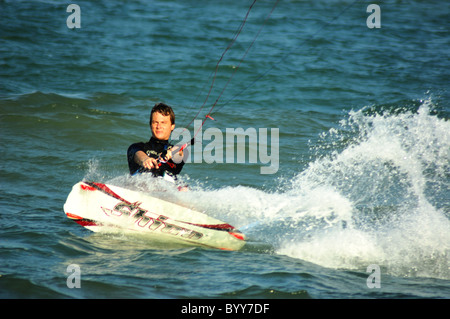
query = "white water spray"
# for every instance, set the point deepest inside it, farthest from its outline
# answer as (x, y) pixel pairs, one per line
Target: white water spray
(393, 173)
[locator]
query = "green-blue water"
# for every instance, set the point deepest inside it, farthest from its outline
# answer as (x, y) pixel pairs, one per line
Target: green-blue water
(364, 145)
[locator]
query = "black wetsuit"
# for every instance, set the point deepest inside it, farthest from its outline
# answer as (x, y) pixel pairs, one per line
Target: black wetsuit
(153, 148)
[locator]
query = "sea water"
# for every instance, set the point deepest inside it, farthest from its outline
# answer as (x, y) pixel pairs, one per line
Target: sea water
(362, 181)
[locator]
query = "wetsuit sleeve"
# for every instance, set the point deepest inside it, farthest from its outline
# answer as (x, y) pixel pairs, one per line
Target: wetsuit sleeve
(132, 165)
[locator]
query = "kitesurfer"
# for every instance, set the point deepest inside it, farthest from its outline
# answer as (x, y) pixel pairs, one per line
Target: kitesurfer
(156, 156)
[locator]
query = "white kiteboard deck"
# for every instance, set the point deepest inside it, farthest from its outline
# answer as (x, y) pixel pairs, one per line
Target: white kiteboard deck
(103, 207)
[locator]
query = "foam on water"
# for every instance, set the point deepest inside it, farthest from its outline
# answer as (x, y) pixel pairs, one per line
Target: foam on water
(387, 181)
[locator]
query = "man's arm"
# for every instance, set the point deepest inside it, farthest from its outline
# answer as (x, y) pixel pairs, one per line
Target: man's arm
(145, 161)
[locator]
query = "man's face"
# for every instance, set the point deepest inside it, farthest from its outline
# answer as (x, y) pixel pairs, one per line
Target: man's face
(161, 126)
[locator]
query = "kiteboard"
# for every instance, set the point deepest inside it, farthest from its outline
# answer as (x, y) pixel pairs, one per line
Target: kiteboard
(103, 207)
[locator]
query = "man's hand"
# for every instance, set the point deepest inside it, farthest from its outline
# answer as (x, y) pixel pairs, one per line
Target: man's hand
(145, 161)
(178, 156)
(150, 163)
(168, 155)
(174, 154)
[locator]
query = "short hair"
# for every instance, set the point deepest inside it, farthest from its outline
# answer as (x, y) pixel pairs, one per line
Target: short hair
(165, 110)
